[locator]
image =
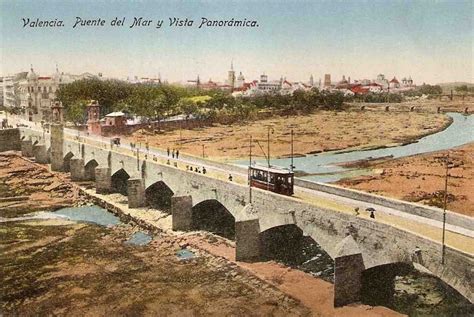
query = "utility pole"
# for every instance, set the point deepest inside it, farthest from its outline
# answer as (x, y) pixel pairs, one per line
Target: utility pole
(292, 166)
(268, 151)
(443, 251)
(250, 170)
(268, 143)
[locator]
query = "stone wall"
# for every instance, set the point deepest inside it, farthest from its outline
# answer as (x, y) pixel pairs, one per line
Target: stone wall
(10, 140)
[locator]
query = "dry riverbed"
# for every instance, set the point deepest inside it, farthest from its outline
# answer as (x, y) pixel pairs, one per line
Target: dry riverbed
(318, 132)
(61, 267)
(421, 178)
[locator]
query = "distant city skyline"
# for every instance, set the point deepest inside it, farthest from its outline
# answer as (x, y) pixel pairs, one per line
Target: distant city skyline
(430, 41)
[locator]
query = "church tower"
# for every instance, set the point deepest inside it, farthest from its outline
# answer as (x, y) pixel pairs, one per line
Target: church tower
(311, 80)
(231, 76)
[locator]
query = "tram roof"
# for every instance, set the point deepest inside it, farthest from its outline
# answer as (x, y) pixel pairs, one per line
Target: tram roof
(272, 169)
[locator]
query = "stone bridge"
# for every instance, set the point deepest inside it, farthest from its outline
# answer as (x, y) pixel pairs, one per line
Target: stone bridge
(366, 252)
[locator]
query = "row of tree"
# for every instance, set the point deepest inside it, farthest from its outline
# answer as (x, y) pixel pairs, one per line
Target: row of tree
(464, 89)
(425, 89)
(159, 101)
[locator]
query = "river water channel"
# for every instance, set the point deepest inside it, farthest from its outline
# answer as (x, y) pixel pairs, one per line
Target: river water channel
(324, 167)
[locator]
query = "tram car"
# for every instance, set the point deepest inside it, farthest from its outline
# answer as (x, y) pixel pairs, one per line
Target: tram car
(275, 179)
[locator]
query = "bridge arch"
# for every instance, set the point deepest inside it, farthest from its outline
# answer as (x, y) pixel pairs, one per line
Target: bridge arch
(89, 170)
(378, 282)
(213, 216)
(283, 243)
(67, 161)
(158, 195)
(119, 182)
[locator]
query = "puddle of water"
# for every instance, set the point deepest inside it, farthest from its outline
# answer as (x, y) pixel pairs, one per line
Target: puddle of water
(93, 214)
(139, 238)
(185, 254)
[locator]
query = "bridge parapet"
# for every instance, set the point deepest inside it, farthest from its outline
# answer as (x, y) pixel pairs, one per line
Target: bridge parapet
(433, 213)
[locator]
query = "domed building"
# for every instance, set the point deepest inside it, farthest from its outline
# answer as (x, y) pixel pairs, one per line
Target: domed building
(37, 92)
(394, 83)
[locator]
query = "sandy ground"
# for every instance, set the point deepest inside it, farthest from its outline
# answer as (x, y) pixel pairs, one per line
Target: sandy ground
(32, 188)
(314, 293)
(421, 178)
(78, 270)
(57, 267)
(321, 131)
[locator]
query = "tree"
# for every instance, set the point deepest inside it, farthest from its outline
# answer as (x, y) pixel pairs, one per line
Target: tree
(76, 112)
(426, 89)
(187, 106)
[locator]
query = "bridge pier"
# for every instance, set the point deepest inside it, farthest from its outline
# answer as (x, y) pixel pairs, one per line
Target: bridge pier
(136, 192)
(40, 153)
(348, 268)
(181, 213)
(247, 240)
(26, 148)
(77, 169)
(57, 140)
(103, 180)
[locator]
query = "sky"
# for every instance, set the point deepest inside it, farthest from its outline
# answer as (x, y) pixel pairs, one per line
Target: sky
(431, 41)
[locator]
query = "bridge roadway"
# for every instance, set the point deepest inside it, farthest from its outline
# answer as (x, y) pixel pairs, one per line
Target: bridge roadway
(410, 231)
